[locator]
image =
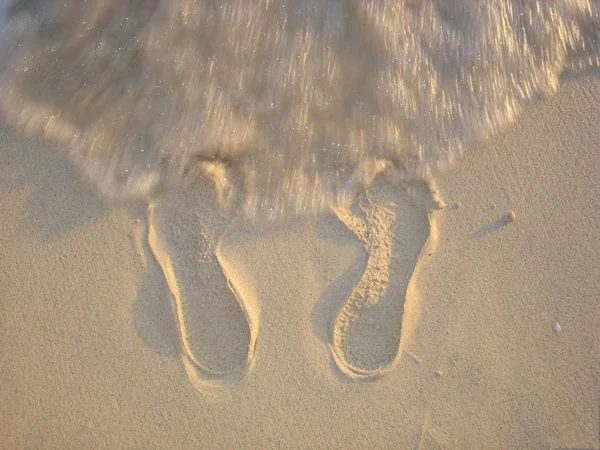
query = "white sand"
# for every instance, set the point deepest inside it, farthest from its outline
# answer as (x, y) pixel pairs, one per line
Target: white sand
(89, 347)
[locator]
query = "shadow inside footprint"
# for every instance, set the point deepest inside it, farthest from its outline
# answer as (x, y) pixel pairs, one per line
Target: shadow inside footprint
(217, 330)
(330, 230)
(392, 224)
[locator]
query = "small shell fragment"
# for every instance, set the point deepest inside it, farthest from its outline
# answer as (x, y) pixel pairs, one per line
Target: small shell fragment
(556, 328)
(510, 217)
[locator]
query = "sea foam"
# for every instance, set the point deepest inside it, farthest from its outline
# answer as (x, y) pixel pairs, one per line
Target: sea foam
(290, 105)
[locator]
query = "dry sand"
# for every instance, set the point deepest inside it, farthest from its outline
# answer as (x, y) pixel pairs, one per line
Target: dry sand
(400, 324)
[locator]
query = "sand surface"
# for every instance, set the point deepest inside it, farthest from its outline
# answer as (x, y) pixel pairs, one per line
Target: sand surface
(399, 324)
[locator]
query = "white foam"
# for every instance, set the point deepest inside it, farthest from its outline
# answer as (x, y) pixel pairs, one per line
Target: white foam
(300, 101)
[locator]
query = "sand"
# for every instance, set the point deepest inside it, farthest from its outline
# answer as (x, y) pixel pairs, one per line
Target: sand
(463, 315)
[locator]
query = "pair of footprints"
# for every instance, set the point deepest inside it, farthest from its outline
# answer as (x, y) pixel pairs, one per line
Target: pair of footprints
(218, 325)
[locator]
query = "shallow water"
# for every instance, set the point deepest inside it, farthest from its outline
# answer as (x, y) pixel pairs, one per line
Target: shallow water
(291, 105)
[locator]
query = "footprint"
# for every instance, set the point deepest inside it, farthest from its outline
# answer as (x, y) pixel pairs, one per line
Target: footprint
(392, 223)
(217, 325)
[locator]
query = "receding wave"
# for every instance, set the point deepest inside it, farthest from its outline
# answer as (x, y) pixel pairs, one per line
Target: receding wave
(293, 104)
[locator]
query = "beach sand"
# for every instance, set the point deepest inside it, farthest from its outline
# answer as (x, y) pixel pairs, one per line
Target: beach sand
(486, 324)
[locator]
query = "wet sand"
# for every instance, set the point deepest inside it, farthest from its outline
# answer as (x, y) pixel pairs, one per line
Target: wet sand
(422, 318)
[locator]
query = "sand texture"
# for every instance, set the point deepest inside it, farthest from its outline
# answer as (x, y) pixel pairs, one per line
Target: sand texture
(459, 313)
